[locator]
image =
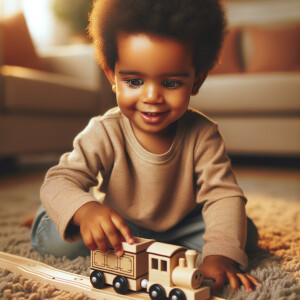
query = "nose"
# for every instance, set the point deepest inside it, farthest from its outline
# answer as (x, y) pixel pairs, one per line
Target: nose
(152, 94)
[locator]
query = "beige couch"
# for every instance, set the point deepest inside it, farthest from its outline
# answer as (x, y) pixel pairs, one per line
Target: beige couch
(254, 94)
(42, 112)
(47, 100)
(258, 111)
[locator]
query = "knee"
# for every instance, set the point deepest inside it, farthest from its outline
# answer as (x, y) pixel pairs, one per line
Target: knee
(46, 240)
(46, 244)
(252, 237)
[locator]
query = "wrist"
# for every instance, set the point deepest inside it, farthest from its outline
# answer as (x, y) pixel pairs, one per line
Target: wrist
(82, 211)
(220, 258)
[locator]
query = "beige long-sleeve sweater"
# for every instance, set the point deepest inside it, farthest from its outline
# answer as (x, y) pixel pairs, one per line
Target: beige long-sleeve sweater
(154, 191)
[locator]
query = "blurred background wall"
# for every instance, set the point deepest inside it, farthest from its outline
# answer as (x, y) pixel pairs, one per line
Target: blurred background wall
(50, 84)
(51, 22)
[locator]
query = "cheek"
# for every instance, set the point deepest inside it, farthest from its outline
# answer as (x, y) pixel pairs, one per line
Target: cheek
(180, 101)
(125, 95)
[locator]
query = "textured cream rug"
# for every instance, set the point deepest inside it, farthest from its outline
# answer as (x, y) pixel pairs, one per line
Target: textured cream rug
(273, 204)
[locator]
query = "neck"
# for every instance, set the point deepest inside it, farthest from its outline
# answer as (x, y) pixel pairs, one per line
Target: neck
(157, 143)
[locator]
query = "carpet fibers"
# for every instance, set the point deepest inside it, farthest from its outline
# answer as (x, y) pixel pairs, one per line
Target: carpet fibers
(273, 204)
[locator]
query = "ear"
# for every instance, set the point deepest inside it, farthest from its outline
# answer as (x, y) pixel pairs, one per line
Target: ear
(198, 81)
(110, 76)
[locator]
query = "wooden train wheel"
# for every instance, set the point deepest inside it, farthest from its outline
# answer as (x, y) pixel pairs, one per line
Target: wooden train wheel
(177, 294)
(157, 292)
(120, 285)
(97, 279)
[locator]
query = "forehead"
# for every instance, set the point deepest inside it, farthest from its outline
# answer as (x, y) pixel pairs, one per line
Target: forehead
(145, 52)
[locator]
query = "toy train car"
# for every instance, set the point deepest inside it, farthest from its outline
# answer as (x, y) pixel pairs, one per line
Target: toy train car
(164, 270)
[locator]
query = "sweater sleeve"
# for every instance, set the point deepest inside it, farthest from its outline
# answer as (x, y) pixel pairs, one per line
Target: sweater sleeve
(223, 200)
(66, 186)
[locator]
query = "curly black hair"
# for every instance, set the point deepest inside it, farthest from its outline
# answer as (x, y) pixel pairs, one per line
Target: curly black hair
(197, 22)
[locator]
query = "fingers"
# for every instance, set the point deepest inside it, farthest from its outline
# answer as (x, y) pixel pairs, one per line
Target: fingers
(113, 236)
(123, 229)
(233, 281)
(245, 282)
(115, 230)
(223, 269)
(88, 239)
(94, 237)
(220, 280)
(99, 238)
(253, 279)
(100, 226)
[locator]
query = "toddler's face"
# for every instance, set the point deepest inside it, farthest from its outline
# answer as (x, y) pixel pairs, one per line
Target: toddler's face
(154, 77)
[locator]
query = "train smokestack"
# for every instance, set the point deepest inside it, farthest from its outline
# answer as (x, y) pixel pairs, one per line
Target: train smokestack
(191, 256)
(182, 262)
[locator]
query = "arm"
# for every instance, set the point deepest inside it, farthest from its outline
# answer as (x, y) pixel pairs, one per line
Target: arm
(223, 252)
(65, 192)
(223, 212)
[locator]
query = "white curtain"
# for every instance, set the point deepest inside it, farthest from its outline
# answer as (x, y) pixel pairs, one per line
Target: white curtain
(9, 7)
(45, 29)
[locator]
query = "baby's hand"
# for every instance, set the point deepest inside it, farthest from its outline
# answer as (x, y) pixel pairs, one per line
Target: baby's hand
(223, 269)
(99, 224)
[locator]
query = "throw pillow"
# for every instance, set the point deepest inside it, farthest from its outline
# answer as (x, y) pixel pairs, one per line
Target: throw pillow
(274, 49)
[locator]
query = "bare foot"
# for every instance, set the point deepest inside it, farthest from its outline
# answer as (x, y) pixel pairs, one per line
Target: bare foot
(28, 221)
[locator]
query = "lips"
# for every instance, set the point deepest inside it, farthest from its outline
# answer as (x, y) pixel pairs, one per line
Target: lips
(151, 114)
(153, 117)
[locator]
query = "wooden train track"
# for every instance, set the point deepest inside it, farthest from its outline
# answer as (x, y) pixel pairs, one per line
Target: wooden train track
(62, 280)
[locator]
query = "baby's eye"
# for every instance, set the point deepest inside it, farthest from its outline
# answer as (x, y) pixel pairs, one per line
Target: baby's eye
(134, 83)
(171, 84)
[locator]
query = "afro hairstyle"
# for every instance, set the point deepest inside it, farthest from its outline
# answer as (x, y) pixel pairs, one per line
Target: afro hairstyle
(200, 23)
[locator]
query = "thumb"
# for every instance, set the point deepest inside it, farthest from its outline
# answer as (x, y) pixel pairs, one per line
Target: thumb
(219, 282)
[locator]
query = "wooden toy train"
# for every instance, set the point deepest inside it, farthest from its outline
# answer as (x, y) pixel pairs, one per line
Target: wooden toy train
(164, 270)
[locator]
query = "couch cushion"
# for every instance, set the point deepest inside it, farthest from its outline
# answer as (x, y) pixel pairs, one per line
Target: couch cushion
(33, 91)
(38, 133)
(229, 61)
(249, 94)
(274, 49)
(258, 135)
(17, 46)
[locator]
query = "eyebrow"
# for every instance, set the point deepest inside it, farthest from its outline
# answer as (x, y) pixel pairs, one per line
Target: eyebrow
(167, 74)
(129, 73)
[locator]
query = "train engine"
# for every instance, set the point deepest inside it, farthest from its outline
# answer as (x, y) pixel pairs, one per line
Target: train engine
(173, 274)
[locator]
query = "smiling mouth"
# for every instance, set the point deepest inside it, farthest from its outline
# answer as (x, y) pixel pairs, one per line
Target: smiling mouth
(150, 114)
(153, 117)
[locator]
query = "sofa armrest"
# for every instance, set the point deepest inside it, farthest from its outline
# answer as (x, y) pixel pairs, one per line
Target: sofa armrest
(36, 91)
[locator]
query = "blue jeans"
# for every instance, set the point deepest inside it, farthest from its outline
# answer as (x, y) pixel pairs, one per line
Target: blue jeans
(45, 238)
